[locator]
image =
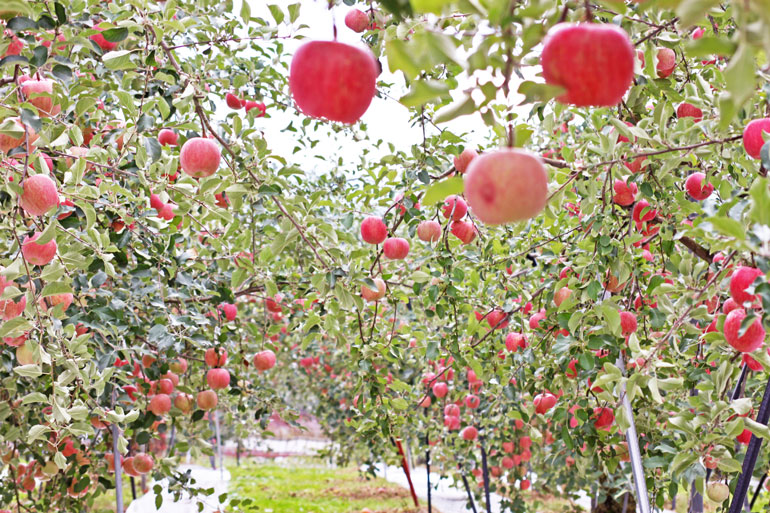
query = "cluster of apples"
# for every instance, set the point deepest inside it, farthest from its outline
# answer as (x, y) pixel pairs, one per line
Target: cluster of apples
(236, 103)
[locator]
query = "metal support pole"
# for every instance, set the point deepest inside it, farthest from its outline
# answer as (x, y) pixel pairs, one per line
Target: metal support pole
(750, 460)
(118, 466)
(640, 485)
(219, 445)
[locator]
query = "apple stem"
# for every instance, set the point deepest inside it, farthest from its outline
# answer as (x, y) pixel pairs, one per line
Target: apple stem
(564, 12)
(589, 13)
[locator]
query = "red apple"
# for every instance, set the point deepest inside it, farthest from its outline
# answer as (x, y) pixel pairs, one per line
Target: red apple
(333, 80)
(665, 62)
(373, 230)
(740, 280)
(593, 62)
(215, 357)
(200, 157)
(695, 187)
(688, 110)
(264, 360)
(628, 323)
(233, 101)
(464, 159)
(101, 42)
(38, 254)
(429, 231)
(544, 402)
(40, 94)
(207, 400)
(40, 195)
(356, 20)
(440, 389)
(8, 142)
(218, 379)
(372, 295)
(395, 248)
(160, 404)
(464, 230)
(625, 193)
(168, 137)
(469, 433)
(506, 186)
(752, 136)
(751, 340)
(455, 207)
(143, 463)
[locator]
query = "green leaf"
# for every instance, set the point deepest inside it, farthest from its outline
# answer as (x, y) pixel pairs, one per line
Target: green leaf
(729, 227)
(462, 107)
(115, 35)
(28, 371)
(440, 190)
(118, 60)
(8, 7)
(423, 91)
(400, 58)
(691, 12)
(432, 6)
(55, 288)
(277, 13)
(740, 75)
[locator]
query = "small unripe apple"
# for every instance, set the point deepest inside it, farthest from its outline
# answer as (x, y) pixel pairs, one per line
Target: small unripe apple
(372, 295)
(356, 20)
(395, 248)
(38, 254)
(333, 80)
(24, 355)
(593, 62)
(183, 402)
(207, 400)
(717, 491)
(695, 187)
(200, 157)
(505, 186)
(218, 379)
(168, 137)
(40, 195)
(373, 230)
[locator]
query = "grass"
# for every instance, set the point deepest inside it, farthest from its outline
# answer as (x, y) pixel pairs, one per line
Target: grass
(310, 488)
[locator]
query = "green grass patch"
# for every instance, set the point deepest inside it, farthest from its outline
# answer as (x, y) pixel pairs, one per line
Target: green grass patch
(310, 488)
